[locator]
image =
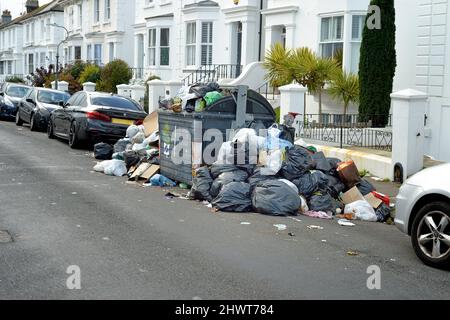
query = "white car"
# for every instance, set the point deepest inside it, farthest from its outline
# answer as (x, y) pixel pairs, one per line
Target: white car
(423, 212)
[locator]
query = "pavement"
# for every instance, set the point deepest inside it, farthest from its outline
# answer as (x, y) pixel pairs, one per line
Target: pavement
(133, 243)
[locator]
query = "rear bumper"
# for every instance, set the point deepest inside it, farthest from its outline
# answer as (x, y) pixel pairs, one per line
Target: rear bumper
(99, 131)
(7, 111)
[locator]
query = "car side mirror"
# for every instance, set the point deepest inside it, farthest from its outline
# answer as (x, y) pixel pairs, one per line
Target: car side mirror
(29, 100)
(2, 94)
(61, 104)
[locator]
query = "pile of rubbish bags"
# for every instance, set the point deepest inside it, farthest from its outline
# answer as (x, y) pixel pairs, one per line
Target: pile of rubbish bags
(282, 179)
(138, 147)
(194, 98)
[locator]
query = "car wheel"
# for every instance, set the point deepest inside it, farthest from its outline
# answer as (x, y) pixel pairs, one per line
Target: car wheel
(50, 133)
(19, 121)
(431, 235)
(74, 142)
(33, 126)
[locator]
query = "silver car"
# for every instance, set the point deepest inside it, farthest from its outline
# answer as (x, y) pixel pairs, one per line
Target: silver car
(423, 212)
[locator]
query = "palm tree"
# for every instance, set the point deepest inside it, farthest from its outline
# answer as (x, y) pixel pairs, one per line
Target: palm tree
(345, 88)
(320, 73)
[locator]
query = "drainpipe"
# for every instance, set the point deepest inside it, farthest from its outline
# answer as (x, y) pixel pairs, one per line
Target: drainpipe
(260, 29)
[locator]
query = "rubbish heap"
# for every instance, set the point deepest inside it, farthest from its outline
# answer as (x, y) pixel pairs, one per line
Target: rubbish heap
(194, 98)
(287, 179)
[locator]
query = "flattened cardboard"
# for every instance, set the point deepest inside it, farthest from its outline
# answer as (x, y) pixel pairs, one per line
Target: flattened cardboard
(150, 172)
(151, 123)
(374, 201)
(140, 170)
(352, 195)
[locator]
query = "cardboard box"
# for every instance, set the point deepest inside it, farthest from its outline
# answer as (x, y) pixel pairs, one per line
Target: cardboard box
(374, 201)
(352, 195)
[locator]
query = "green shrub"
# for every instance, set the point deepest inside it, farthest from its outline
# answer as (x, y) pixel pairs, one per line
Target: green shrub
(277, 114)
(14, 79)
(114, 73)
(91, 73)
(76, 69)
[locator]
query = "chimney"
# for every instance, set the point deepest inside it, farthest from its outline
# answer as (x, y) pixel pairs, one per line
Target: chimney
(6, 16)
(31, 5)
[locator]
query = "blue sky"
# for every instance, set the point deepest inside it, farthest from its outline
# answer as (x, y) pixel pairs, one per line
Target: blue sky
(17, 6)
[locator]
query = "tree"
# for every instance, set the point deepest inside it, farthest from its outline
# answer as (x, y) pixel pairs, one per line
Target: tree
(320, 74)
(91, 73)
(114, 73)
(301, 65)
(377, 64)
(345, 88)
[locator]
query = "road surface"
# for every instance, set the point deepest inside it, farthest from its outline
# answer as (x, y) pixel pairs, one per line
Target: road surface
(133, 243)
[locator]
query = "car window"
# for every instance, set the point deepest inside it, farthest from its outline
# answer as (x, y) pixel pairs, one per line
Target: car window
(72, 99)
(83, 101)
(52, 97)
(17, 91)
(115, 102)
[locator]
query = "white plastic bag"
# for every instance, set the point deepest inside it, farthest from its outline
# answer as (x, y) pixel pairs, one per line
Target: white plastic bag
(362, 210)
(304, 206)
(115, 168)
(274, 162)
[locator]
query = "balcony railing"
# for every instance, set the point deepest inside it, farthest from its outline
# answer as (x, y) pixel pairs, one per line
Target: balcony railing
(213, 73)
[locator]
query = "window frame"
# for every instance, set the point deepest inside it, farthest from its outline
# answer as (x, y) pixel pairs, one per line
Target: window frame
(333, 38)
(208, 44)
(191, 43)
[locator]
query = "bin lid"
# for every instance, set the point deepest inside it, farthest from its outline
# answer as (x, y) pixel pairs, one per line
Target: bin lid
(256, 104)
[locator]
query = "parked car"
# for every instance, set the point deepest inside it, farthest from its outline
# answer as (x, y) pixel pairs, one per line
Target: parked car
(94, 117)
(10, 96)
(423, 212)
(35, 108)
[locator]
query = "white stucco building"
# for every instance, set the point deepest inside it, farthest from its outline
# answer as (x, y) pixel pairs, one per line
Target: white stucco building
(40, 40)
(11, 47)
(99, 30)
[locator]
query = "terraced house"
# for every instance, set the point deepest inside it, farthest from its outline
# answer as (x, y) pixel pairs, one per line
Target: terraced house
(99, 30)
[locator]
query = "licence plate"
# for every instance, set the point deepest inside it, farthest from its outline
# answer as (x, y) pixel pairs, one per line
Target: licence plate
(122, 121)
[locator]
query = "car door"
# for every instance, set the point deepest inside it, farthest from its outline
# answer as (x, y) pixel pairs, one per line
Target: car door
(68, 113)
(60, 114)
(28, 105)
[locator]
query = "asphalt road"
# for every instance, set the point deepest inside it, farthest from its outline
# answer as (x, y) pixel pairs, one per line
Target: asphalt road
(133, 243)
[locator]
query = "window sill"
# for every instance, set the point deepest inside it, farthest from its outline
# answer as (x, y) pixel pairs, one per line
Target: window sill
(149, 6)
(165, 3)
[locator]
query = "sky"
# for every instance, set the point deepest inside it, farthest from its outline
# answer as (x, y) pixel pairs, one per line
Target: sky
(17, 6)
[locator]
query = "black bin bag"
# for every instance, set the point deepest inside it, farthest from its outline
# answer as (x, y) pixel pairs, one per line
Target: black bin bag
(103, 151)
(226, 178)
(202, 184)
(275, 198)
(234, 197)
(298, 161)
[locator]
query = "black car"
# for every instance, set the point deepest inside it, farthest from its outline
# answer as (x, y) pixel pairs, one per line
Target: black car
(35, 108)
(89, 117)
(10, 96)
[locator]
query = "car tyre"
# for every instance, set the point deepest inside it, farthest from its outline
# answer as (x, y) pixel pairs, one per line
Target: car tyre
(19, 121)
(33, 126)
(74, 141)
(430, 234)
(50, 133)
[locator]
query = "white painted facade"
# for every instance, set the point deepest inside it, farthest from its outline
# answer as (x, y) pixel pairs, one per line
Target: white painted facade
(99, 30)
(11, 50)
(39, 39)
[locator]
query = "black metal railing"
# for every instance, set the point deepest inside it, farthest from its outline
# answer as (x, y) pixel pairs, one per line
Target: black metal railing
(268, 91)
(347, 130)
(213, 73)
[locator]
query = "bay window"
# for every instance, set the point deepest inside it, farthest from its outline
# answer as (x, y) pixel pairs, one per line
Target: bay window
(357, 30)
(207, 39)
(331, 36)
(152, 47)
(165, 47)
(191, 35)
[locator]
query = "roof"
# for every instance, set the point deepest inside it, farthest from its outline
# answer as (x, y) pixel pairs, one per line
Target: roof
(169, 15)
(205, 3)
(49, 7)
